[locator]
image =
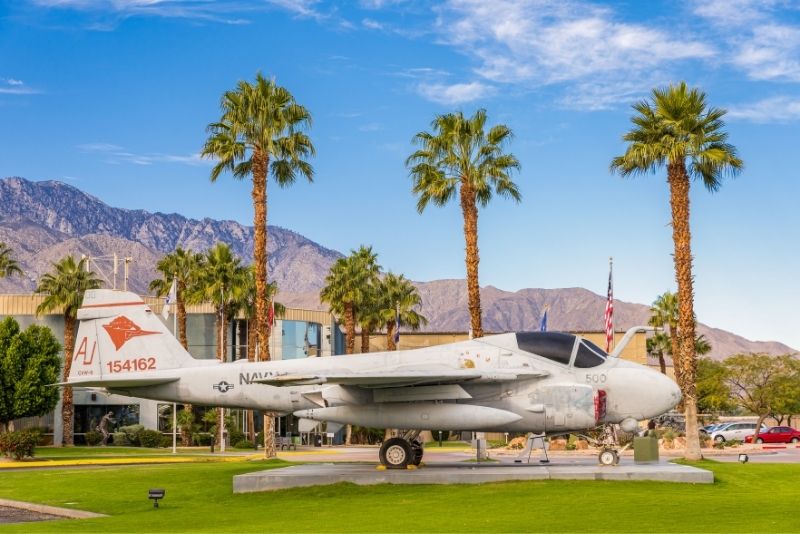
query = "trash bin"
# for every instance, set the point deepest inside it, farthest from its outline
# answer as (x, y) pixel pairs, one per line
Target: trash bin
(645, 450)
(318, 440)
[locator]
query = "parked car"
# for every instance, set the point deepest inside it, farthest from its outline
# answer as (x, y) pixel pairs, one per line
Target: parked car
(776, 434)
(735, 431)
(708, 429)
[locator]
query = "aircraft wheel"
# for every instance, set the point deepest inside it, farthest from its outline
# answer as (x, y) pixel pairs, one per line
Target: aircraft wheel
(396, 453)
(759, 440)
(608, 457)
(416, 446)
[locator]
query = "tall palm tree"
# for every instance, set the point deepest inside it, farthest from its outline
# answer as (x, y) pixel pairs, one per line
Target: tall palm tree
(369, 315)
(399, 297)
(677, 129)
(346, 286)
(461, 156)
(63, 289)
(8, 265)
(260, 132)
(180, 265)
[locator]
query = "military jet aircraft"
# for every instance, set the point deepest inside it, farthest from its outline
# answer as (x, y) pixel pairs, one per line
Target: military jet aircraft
(542, 382)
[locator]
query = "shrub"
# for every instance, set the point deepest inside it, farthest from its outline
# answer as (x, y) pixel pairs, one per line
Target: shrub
(166, 441)
(119, 439)
(149, 438)
(131, 434)
(235, 435)
(202, 438)
(260, 439)
(18, 445)
(93, 437)
(244, 444)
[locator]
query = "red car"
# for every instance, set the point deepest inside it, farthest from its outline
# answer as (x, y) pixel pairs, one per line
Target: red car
(776, 434)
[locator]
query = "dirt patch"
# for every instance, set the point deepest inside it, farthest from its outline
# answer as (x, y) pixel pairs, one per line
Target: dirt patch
(18, 515)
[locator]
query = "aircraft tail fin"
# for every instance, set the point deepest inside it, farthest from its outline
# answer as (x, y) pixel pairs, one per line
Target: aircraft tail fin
(119, 337)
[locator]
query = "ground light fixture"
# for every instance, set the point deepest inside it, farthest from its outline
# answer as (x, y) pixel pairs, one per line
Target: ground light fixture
(743, 458)
(155, 494)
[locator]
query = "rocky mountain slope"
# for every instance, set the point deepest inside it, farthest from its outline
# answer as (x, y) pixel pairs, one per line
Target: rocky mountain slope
(44, 221)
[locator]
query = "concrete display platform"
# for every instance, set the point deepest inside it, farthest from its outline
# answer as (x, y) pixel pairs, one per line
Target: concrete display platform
(461, 473)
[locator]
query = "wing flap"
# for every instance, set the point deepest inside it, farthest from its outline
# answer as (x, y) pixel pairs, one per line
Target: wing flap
(112, 383)
(401, 377)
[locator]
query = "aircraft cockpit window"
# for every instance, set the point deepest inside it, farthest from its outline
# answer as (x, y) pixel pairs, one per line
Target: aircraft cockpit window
(589, 355)
(554, 346)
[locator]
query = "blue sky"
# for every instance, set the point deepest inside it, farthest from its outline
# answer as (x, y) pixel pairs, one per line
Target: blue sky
(113, 97)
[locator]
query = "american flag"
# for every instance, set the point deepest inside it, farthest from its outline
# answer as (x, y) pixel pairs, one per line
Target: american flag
(609, 311)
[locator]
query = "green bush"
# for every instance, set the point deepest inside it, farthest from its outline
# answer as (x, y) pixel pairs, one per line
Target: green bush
(244, 444)
(149, 438)
(18, 445)
(202, 438)
(119, 439)
(166, 441)
(93, 437)
(260, 439)
(131, 434)
(235, 435)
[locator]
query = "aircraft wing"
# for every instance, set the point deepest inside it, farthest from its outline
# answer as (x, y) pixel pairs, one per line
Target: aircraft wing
(111, 383)
(399, 378)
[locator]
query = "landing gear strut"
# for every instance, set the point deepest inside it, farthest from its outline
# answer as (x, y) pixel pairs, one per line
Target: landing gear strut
(400, 452)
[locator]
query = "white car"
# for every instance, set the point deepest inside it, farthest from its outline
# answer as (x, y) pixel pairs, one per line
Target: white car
(735, 431)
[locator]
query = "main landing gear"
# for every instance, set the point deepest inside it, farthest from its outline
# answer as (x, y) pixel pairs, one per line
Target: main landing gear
(401, 452)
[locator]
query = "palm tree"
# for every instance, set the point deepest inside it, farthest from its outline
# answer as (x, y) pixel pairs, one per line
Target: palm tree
(244, 297)
(664, 314)
(346, 287)
(8, 265)
(219, 276)
(181, 266)
(260, 132)
(369, 315)
(64, 288)
(677, 129)
(399, 297)
(460, 156)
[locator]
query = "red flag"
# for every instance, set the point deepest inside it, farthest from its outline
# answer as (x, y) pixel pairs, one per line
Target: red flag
(609, 311)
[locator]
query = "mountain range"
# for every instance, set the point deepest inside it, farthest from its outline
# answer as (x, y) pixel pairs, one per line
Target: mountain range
(46, 220)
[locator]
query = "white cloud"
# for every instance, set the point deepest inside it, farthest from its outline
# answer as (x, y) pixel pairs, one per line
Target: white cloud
(115, 155)
(771, 53)
(371, 24)
(11, 86)
(727, 13)
(769, 110)
(370, 127)
(457, 93)
(548, 41)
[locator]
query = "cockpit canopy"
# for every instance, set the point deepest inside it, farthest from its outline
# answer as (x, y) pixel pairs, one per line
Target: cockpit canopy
(558, 347)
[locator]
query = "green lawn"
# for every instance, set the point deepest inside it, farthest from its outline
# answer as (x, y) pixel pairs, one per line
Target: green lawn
(745, 498)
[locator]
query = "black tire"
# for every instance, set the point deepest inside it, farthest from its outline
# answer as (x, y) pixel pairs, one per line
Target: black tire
(719, 439)
(608, 457)
(416, 446)
(396, 453)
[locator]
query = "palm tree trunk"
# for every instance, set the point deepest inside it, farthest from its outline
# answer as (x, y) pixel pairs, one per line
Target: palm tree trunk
(181, 305)
(684, 359)
(67, 408)
(364, 340)
(662, 363)
(350, 327)
(470, 212)
(252, 339)
(260, 162)
(390, 344)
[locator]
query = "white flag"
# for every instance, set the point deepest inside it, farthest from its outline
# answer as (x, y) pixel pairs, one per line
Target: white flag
(170, 300)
